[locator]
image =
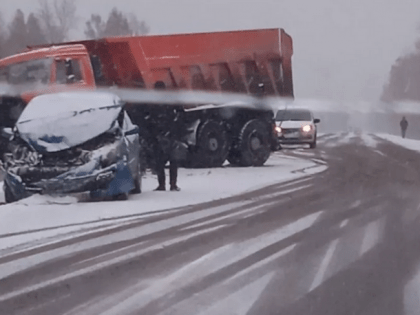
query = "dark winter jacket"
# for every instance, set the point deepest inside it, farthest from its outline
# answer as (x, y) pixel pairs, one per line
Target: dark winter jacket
(163, 128)
(164, 121)
(404, 124)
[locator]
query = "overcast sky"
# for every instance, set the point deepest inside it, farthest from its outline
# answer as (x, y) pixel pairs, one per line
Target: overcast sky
(343, 49)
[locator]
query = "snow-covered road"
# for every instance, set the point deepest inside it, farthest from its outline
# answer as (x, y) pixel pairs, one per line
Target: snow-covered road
(41, 219)
(344, 241)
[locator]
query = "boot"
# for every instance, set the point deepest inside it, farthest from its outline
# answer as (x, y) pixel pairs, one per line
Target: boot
(161, 180)
(175, 188)
(173, 176)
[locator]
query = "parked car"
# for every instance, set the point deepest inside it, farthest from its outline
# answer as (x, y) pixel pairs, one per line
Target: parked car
(73, 142)
(296, 126)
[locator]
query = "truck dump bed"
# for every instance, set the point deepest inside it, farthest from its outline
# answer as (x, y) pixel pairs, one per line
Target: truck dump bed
(233, 61)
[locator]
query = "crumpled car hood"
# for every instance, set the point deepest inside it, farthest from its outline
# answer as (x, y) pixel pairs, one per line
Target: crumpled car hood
(53, 130)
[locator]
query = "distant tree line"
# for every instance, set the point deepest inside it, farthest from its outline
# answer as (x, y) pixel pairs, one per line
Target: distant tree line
(54, 20)
(404, 78)
(117, 24)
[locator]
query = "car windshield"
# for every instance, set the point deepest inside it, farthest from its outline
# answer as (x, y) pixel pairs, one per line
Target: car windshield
(285, 115)
(27, 72)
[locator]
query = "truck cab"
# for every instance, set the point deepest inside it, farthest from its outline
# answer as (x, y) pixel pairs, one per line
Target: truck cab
(40, 71)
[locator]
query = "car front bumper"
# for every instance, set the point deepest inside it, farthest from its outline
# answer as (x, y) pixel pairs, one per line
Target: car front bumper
(296, 137)
(110, 181)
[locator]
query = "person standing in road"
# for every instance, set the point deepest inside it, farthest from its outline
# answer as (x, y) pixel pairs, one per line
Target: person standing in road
(404, 126)
(165, 127)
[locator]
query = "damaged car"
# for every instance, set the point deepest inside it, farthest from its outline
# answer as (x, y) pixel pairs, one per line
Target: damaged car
(68, 143)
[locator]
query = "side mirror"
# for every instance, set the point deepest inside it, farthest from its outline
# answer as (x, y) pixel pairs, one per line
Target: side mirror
(316, 121)
(7, 133)
(134, 131)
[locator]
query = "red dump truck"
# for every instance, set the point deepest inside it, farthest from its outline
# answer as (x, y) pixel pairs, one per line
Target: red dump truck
(236, 61)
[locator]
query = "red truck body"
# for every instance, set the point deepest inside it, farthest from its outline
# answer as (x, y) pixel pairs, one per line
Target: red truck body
(236, 61)
(199, 61)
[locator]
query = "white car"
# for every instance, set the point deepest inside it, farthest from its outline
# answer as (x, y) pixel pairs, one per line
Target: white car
(296, 126)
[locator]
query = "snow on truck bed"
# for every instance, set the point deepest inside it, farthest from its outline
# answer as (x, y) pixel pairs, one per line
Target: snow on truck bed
(41, 217)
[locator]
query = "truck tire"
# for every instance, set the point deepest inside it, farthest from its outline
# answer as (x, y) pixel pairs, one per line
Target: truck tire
(212, 146)
(253, 147)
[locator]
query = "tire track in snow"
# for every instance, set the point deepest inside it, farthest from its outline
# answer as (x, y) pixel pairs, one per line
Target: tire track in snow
(55, 258)
(273, 193)
(206, 270)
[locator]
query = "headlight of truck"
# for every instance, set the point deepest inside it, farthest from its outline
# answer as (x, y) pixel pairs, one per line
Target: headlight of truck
(278, 130)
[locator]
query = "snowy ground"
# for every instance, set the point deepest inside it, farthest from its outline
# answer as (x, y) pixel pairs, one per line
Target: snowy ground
(42, 217)
(406, 143)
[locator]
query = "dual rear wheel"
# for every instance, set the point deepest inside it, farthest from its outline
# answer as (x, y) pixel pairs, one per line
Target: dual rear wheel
(250, 147)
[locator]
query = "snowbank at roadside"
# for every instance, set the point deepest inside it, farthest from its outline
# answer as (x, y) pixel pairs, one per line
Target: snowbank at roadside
(406, 143)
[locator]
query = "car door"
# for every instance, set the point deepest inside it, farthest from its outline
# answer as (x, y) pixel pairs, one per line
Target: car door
(131, 138)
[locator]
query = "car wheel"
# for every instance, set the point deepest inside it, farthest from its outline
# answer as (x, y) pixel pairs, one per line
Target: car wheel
(254, 144)
(8, 195)
(122, 196)
(313, 144)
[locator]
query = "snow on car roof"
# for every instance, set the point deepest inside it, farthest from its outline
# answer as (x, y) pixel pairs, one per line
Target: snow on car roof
(58, 103)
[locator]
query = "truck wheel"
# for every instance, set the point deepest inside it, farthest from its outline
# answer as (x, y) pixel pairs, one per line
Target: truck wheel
(212, 145)
(254, 144)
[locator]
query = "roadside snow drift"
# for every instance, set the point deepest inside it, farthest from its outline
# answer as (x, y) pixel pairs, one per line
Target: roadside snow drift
(398, 140)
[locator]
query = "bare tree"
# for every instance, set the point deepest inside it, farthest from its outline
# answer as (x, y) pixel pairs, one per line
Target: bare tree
(95, 27)
(18, 34)
(35, 34)
(46, 15)
(137, 27)
(3, 36)
(403, 79)
(117, 24)
(65, 11)
(57, 19)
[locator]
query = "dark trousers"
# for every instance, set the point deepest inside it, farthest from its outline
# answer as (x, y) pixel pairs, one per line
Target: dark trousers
(161, 159)
(403, 132)
(173, 173)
